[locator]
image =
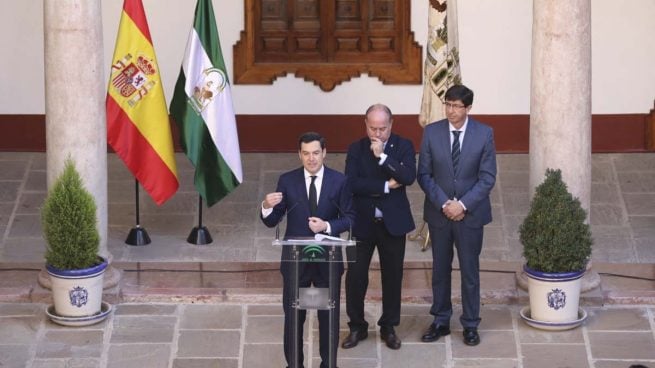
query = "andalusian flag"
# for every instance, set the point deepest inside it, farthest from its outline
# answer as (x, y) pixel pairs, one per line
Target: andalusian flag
(202, 108)
(138, 127)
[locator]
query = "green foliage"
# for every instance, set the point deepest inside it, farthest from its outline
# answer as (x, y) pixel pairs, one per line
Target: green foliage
(69, 223)
(554, 234)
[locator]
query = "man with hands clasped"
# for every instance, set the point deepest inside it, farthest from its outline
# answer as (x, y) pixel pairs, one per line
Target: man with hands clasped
(456, 170)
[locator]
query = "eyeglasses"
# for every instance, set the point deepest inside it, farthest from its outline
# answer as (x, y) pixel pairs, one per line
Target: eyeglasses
(448, 105)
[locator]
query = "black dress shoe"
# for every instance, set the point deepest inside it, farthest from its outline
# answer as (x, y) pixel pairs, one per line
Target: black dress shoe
(390, 338)
(471, 336)
(435, 332)
(353, 338)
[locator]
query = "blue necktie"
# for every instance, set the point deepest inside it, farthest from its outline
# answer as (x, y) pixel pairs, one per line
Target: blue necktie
(455, 152)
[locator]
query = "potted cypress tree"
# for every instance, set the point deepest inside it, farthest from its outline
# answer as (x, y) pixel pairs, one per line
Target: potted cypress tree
(70, 229)
(557, 246)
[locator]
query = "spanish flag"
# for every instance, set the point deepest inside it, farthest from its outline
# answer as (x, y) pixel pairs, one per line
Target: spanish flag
(138, 127)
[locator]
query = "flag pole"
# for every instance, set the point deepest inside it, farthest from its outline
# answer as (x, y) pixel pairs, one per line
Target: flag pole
(137, 235)
(200, 234)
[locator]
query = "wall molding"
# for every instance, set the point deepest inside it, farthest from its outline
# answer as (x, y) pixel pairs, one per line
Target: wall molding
(277, 133)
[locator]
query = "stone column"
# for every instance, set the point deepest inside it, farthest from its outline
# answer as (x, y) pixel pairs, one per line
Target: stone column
(560, 100)
(75, 98)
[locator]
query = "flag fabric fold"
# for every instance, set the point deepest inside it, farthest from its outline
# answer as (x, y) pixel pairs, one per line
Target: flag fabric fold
(202, 108)
(138, 127)
(441, 69)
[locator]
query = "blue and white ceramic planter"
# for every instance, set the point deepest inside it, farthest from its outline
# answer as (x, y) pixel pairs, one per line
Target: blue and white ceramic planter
(554, 297)
(77, 293)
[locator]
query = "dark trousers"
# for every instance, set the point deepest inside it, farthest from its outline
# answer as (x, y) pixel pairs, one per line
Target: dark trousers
(391, 250)
(468, 242)
(317, 275)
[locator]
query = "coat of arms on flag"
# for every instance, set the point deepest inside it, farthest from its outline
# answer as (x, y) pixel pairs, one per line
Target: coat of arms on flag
(209, 84)
(129, 77)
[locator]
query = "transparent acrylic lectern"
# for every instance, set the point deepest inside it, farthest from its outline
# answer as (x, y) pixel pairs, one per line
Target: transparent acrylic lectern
(327, 249)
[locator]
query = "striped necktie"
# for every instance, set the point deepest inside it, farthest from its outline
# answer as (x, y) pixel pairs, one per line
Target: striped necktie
(455, 152)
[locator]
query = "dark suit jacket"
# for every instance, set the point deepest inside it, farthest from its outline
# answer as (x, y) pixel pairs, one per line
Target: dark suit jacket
(367, 177)
(334, 204)
(475, 177)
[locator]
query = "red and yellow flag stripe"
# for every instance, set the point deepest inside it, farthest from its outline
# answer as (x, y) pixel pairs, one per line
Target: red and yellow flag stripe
(138, 127)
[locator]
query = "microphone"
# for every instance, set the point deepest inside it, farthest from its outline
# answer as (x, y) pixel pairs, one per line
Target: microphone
(277, 226)
(350, 224)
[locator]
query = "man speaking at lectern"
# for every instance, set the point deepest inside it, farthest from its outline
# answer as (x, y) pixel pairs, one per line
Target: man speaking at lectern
(315, 199)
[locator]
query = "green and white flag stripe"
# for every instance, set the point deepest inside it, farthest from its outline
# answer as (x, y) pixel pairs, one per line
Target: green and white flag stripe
(202, 108)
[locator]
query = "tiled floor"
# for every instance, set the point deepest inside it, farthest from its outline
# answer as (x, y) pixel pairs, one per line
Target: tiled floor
(248, 336)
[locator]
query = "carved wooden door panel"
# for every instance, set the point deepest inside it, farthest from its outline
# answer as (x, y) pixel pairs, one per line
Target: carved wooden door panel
(290, 30)
(327, 42)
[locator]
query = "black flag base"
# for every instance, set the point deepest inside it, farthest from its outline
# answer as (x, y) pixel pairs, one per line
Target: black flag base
(137, 236)
(199, 236)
